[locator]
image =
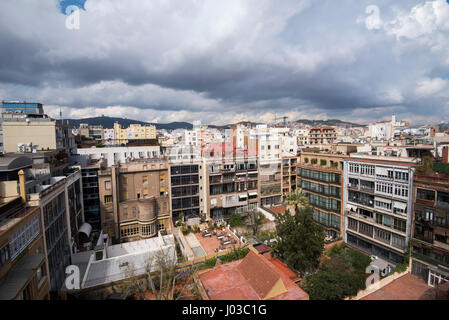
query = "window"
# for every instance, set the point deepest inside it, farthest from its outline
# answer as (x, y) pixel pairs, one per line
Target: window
(400, 175)
(107, 199)
(387, 221)
(353, 168)
(107, 185)
(399, 224)
(4, 255)
(23, 237)
(145, 179)
(125, 180)
(443, 198)
(40, 274)
(424, 194)
(383, 235)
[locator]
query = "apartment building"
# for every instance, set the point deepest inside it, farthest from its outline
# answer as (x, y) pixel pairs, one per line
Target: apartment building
(231, 185)
(62, 214)
(325, 135)
(430, 242)
(186, 179)
(378, 204)
(133, 132)
(270, 182)
(321, 177)
(115, 155)
(23, 264)
(134, 200)
(17, 109)
(42, 132)
(289, 165)
(91, 131)
(91, 195)
(108, 137)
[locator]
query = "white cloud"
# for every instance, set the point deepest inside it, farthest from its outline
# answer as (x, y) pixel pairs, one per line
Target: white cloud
(428, 87)
(423, 19)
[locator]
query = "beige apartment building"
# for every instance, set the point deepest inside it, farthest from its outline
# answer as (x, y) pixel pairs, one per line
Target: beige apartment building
(23, 264)
(289, 165)
(133, 132)
(321, 177)
(231, 186)
(45, 133)
(134, 200)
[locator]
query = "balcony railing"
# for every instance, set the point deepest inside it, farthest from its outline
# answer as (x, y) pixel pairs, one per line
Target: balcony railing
(441, 245)
(360, 216)
(429, 259)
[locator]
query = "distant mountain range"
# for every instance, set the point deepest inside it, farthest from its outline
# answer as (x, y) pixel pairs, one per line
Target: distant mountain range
(108, 122)
(329, 122)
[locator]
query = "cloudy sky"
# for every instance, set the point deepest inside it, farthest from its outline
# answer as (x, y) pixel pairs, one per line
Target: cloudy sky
(226, 61)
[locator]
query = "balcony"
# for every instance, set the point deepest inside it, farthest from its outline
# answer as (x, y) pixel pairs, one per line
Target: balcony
(443, 205)
(441, 245)
(429, 259)
(423, 238)
(360, 216)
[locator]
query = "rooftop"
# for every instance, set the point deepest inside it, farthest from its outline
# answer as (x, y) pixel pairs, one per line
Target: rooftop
(278, 209)
(121, 259)
(407, 287)
(19, 275)
(252, 278)
(12, 161)
(357, 156)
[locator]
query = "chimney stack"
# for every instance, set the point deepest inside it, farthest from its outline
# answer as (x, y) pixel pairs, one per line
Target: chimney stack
(446, 154)
(23, 193)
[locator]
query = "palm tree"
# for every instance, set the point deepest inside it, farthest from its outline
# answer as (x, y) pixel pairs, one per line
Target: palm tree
(297, 199)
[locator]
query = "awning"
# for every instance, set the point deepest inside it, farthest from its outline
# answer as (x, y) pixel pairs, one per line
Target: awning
(252, 194)
(382, 171)
(382, 200)
(243, 196)
(400, 205)
(252, 172)
(240, 173)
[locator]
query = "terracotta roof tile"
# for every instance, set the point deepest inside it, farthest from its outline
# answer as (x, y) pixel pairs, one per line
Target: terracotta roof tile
(258, 274)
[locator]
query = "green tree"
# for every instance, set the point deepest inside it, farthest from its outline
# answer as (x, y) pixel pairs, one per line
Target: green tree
(236, 220)
(300, 241)
(254, 220)
(341, 275)
(297, 199)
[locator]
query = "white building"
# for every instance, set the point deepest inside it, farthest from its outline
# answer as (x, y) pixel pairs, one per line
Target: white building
(112, 263)
(378, 205)
(109, 137)
(385, 130)
(115, 154)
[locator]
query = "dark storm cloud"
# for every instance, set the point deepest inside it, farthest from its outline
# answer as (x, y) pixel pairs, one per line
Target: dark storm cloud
(241, 56)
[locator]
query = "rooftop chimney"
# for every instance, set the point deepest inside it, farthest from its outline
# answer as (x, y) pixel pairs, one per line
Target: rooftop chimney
(23, 193)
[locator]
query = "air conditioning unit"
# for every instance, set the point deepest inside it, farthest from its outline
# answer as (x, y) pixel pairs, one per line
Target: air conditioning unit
(21, 147)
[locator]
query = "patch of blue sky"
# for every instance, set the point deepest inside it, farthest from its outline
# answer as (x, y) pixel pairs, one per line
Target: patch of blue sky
(64, 4)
